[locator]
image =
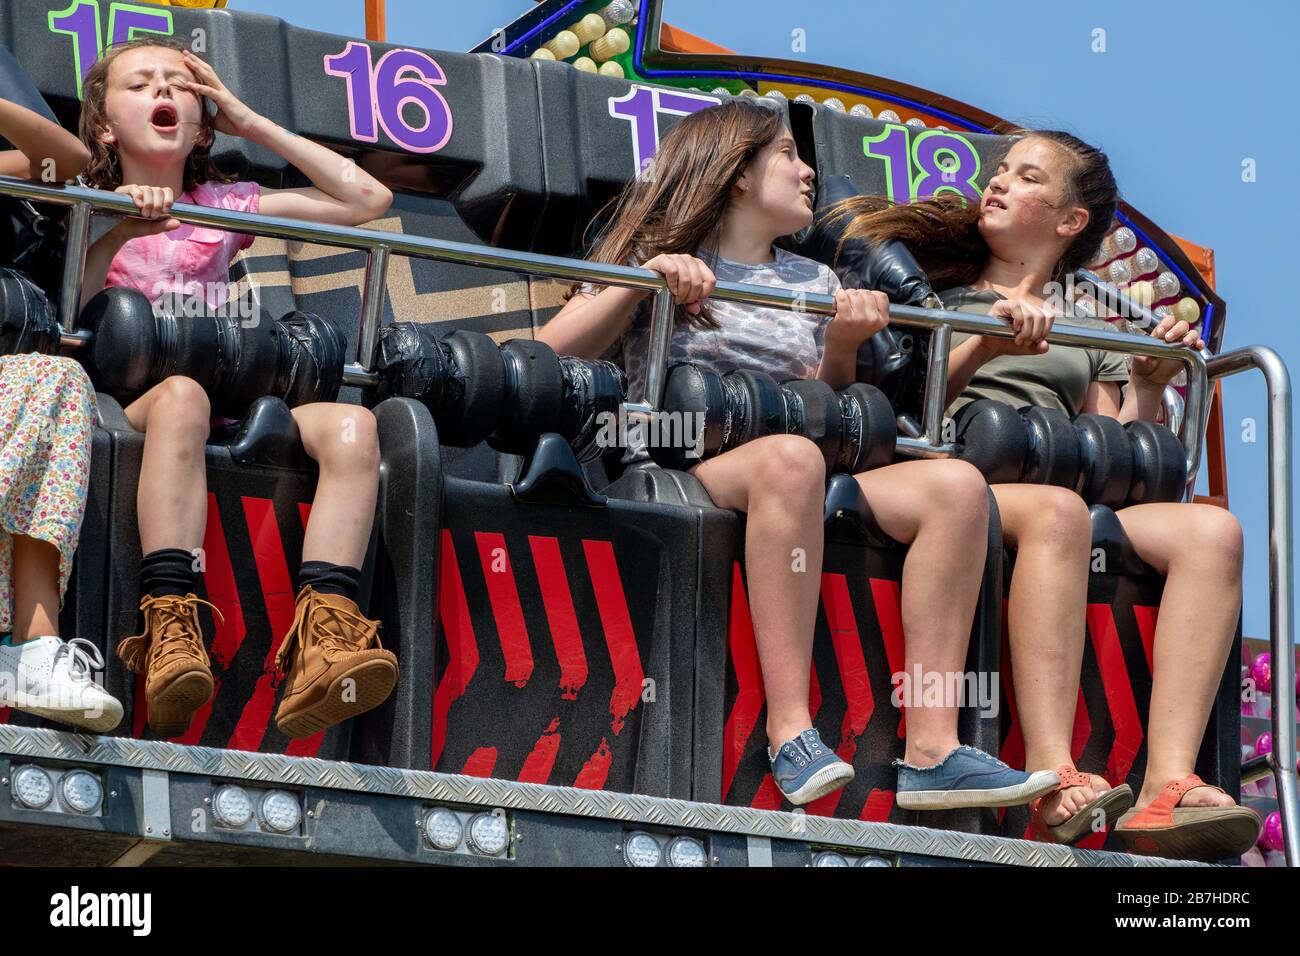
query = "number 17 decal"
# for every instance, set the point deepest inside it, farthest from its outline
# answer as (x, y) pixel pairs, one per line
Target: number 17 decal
(641, 107)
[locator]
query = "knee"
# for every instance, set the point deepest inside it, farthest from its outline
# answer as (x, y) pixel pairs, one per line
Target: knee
(960, 488)
(1061, 518)
(1215, 533)
(790, 465)
(347, 439)
(181, 403)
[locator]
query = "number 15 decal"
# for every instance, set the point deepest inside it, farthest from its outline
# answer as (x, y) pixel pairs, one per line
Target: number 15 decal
(379, 92)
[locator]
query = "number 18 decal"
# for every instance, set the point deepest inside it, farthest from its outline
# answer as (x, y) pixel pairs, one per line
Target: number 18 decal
(377, 94)
(942, 161)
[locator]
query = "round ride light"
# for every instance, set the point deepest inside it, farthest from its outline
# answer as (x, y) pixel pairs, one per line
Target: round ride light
(888, 116)
(279, 810)
(834, 103)
(585, 63)
(564, 45)
(861, 109)
(589, 28)
(872, 861)
(829, 858)
(1125, 240)
(687, 851)
(232, 806)
(33, 787)
(612, 44)
(612, 69)
(1187, 310)
(80, 791)
(618, 12)
(442, 828)
(489, 833)
(641, 849)
(541, 53)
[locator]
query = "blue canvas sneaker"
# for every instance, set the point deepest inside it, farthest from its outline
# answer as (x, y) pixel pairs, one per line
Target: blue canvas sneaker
(805, 768)
(968, 777)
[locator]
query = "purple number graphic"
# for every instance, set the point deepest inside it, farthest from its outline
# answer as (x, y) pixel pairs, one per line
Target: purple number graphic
(81, 22)
(890, 147)
(393, 90)
(641, 107)
(954, 177)
(354, 65)
(125, 20)
(638, 108)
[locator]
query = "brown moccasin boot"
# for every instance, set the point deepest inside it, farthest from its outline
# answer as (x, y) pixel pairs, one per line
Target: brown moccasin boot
(171, 655)
(338, 668)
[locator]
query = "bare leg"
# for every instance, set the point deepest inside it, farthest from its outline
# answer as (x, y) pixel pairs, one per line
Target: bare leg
(1051, 532)
(172, 499)
(36, 589)
(1199, 550)
(779, 482)
(940, 509)
(345, 444)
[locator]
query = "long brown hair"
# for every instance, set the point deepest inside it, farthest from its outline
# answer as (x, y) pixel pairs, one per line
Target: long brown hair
(677, 204)
(943, 232)
(104, 170)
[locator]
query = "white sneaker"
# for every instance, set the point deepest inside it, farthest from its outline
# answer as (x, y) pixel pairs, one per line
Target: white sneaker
(51, 678)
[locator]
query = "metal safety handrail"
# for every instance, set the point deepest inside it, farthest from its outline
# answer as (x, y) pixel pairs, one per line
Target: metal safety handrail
(1281, 587)
(380, 245)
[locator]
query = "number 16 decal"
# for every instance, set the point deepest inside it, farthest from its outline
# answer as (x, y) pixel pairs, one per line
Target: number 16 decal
(376, 95)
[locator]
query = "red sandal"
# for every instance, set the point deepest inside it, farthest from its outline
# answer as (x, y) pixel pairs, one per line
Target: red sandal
(1162, 828)
(1110, 804)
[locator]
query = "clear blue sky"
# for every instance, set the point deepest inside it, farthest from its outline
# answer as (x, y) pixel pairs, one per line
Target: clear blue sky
(1185, 91)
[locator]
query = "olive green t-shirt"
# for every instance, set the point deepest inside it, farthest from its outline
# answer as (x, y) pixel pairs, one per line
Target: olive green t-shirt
(1059, 379)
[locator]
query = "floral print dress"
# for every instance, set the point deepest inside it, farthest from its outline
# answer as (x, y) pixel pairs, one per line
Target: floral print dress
(47, 406)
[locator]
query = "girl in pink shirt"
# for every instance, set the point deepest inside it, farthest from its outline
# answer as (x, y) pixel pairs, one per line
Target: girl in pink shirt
(146, 122)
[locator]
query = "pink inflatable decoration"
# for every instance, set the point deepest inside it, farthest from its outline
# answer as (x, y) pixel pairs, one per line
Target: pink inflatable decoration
(1271, 836)
(1262, 671)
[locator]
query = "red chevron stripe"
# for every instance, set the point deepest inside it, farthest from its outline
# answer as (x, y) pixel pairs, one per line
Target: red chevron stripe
(277, 592)
(879, 805)
(886, 596)
(854, 679)
(506, 611)
(1118, 690)
(1082, 728)
(611, 602)
(540, 760)
(749, 680)
(558, 602)
(768, 796)
(462, 649)
(481, 762)
(594, 772)
(1147, 617)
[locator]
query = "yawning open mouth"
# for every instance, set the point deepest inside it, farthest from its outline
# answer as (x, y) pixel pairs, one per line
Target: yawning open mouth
(165, 118)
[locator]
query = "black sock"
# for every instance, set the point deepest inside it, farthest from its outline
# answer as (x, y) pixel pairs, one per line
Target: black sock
(167, 571)
(326, 578)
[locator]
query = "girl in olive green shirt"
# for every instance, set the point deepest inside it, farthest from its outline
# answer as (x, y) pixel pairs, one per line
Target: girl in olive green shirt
(1043, 215)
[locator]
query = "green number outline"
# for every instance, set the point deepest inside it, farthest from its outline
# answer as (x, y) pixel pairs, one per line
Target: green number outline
(152, 11)
(922, 174)
(888, 160)
(76, 47)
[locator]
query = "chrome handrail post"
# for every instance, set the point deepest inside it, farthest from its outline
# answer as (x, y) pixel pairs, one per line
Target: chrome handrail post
(1281, 591)
(373, 287)
(75, 246)
(936, 385)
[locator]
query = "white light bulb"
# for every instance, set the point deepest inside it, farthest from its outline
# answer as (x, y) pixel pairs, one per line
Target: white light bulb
(1167, 285)
(1125, 240)
(887, 116)
(861, 109)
